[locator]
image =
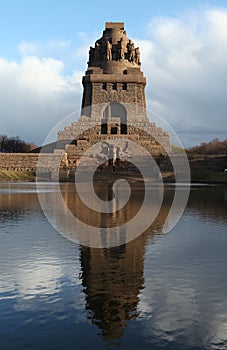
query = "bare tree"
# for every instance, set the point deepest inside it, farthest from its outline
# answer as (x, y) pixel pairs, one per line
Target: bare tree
(213, 147)
(14, 145)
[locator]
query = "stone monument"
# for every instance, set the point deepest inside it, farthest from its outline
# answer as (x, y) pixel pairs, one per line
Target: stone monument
(114, 102)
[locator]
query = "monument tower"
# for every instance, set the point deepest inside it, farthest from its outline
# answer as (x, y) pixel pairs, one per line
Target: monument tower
(114, 102)
(114, 77)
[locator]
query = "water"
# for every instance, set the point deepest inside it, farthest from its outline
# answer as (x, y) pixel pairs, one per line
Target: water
(160, 291)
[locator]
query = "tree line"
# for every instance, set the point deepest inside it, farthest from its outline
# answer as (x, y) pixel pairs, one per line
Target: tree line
(213, 147)
(14, 145)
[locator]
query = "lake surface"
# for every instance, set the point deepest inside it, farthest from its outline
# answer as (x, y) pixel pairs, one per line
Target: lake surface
(159, 291)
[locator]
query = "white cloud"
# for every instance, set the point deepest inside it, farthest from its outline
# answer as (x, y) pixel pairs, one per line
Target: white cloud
(185, 65)
(34, 95)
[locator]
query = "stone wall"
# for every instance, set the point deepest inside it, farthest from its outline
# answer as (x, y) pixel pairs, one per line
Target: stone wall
(49, 161)
(27, 161)
(18, 161)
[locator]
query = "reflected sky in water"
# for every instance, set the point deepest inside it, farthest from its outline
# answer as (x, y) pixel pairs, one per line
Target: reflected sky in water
(160, 291)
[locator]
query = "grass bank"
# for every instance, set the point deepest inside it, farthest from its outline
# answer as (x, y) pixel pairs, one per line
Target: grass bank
(196, 176)
(14, 175)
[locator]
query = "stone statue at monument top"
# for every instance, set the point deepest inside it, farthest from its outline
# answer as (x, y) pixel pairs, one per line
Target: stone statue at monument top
(121, 50)
(114, 45)
(108, 50)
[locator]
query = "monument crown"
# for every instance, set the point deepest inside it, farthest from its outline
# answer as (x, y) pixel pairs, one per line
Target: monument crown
(114, 45)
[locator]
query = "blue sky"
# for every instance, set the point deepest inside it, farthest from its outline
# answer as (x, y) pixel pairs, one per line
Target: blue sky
(43, 20)
(44, 50)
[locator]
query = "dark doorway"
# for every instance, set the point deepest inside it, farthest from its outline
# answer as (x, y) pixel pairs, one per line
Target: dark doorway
(114, 130)
(104, 127)
(123, 129)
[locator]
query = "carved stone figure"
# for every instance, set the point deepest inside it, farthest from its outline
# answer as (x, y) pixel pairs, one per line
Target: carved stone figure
(121, 50)
(131, 51)
(137, 56)
(91, 55)
(108, 50)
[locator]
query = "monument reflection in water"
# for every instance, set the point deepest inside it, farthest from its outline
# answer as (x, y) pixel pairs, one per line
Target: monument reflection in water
(114, 278)
(158, 291)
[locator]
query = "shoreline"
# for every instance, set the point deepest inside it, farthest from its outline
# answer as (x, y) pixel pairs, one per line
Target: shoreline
(198, 177)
